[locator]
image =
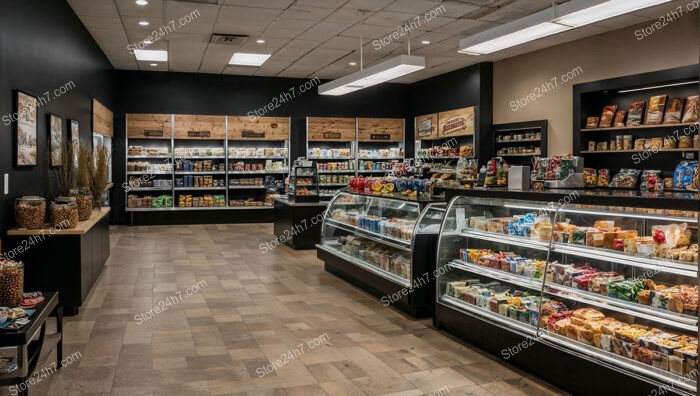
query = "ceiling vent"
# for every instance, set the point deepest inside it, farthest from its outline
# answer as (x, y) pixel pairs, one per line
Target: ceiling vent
(228, 39)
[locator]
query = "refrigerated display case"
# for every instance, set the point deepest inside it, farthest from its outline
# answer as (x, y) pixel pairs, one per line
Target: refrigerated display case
(384, 244)
(572, 290)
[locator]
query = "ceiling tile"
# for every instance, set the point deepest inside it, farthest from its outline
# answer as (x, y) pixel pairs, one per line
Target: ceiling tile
(189, 17)
(95, 22)
(154, 24)
(391, 19)
(261, 16)
(240, 70)
(103, 8)
(278, 4)
(367, 5)
(321, 3)
(185, 55)
(368, 31)
(322, 56)
(324, 31)
(215, 58)
(315, 14)
(341, 42)
(154, 9)
(412, 6)
(464, 26)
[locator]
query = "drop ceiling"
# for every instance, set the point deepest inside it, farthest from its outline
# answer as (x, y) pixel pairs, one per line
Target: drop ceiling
(314, 38)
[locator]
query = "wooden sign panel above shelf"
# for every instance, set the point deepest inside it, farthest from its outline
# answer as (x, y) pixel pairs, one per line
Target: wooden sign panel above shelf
(426, 127)
(102, 119)
(149, 126)
(380, 129)
(458, 122)
(329, 129)
(258, 128)
(200, 127)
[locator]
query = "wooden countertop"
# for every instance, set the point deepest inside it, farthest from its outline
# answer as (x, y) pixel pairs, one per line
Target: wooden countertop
(82, 228)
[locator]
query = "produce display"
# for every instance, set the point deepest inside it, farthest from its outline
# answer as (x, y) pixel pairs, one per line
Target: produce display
(386, 258)
(664, 350)
(184, 152)
(30, 212)
(678, 298)
(393, 152)
(668, 241)
(328, 153)
(391, 227)
(148, 201)
(244, 152)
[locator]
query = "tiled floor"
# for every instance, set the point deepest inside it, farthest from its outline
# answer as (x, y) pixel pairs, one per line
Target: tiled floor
(253, 309)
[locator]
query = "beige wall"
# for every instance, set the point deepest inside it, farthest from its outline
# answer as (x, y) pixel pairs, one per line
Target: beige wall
(608, 55)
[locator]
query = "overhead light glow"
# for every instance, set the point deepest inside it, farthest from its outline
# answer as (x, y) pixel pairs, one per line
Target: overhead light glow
(373, 75)
(144, 23)
(352, 63)
(556, 19)
(154, 64)
(606, 10)
(141, 2)
(148, 41)
(260, 41)
(244, 59)
(151, 55)
(658, 86)
(425, 42)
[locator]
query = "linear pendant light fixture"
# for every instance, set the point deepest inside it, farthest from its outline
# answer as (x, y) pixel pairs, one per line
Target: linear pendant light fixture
(556, 19)
(373, 75)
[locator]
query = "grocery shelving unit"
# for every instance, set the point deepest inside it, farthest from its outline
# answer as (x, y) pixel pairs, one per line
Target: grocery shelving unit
(397, 259)
(303, 184)
(477, 220)
(530, 135)
(330, 144)
(380, 142)
(192, 138)
(591, 97)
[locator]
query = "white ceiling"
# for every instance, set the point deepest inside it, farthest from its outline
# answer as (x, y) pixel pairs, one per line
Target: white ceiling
(314, 38)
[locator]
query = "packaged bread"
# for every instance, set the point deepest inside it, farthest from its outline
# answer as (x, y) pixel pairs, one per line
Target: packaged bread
(588, 314)
(609, 239)
(604, 224)
(594, 238)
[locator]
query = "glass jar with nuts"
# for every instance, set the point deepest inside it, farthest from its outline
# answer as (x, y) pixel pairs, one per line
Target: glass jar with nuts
(11, 283)
(64, 212)
(84, 199)
(30, 212)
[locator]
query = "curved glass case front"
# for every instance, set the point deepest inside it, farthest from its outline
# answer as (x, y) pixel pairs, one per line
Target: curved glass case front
(373, 232)
(614, 285)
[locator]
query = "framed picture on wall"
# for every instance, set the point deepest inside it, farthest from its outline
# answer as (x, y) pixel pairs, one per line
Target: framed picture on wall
(26, 130)
(74, 142)
(55, 140)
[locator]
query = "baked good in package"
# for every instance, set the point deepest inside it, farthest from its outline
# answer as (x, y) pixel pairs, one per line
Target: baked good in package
(626, 178)
(655, 111)
(620, 120)
(690, 114)
(674, 111)
(635, 113)
(685, 177)
(592, 122)
(606, 119)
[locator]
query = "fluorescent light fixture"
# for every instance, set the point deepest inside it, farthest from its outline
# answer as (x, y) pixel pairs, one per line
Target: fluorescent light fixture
(141, 2)
(244, 59)
(553, 20)
(144, 23)
(606, 10)
(511, 40)
(658, 86)
(154, 64)
(425, 42)
(352, 63)
(151, 55)
(260, 41)
(373, 75)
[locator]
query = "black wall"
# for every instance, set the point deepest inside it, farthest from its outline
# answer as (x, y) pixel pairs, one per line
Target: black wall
(43, 46)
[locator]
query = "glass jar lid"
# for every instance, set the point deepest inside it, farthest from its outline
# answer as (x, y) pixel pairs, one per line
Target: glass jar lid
(64, 200)
(32, 200)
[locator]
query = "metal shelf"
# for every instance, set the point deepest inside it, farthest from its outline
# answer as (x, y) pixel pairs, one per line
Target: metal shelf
(330, 158)
(128, 157)
(129, 189)
(491, 317)
(247, 187)
(333, 249)
(177, 208)
(200, 157)
(200, 173)
(332, 184)
(383, 239)
(379, 158)
(336, 171)
(374, 171)
(256, 172)
(148, 173)
(257, 158)
(507, 277)
(506, 239)
(199, 188)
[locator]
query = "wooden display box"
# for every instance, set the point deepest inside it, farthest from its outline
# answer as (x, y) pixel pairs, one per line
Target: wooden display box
(380, 130)
(200, 127)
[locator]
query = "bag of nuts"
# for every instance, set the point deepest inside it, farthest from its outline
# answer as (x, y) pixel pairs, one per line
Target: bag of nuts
(11, 283)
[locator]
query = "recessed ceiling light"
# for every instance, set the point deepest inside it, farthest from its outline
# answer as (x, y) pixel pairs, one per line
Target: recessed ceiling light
(141, 2)
(260, 41)
(425, 42)
(352, 63)
(148, 41)
(244, 59)
(151, 55)
(154, 64)
(144, 23)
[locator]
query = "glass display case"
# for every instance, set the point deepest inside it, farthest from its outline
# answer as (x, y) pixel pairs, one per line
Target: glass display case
(601, 286)
(383, 243)
(303, 184)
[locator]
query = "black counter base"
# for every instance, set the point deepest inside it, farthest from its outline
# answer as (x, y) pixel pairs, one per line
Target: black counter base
(562, 369)
(376, 285)
(215, 216)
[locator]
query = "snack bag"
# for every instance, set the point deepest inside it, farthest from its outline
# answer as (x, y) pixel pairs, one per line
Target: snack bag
(684, 175)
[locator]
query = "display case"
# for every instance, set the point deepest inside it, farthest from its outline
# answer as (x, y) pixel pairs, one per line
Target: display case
(609, 291)
(520, 142)
(382, 243)
(303, 184)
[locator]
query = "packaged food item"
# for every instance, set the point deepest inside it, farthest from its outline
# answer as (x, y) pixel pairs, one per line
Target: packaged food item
(683, 177)
(626, 178)
(690, 114)
(696, 141)
(627, 142)
(592, 122)
(668, 183)
(606, 118)
(590, 177)
(619, 142)
(30, 212)
(541, 166)
(635, 113)
(669, 143)
(64, 212)
(602, 146)
(620, 118)
(651, 181)
(591, 145)
(685, 142)
(603, 177)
